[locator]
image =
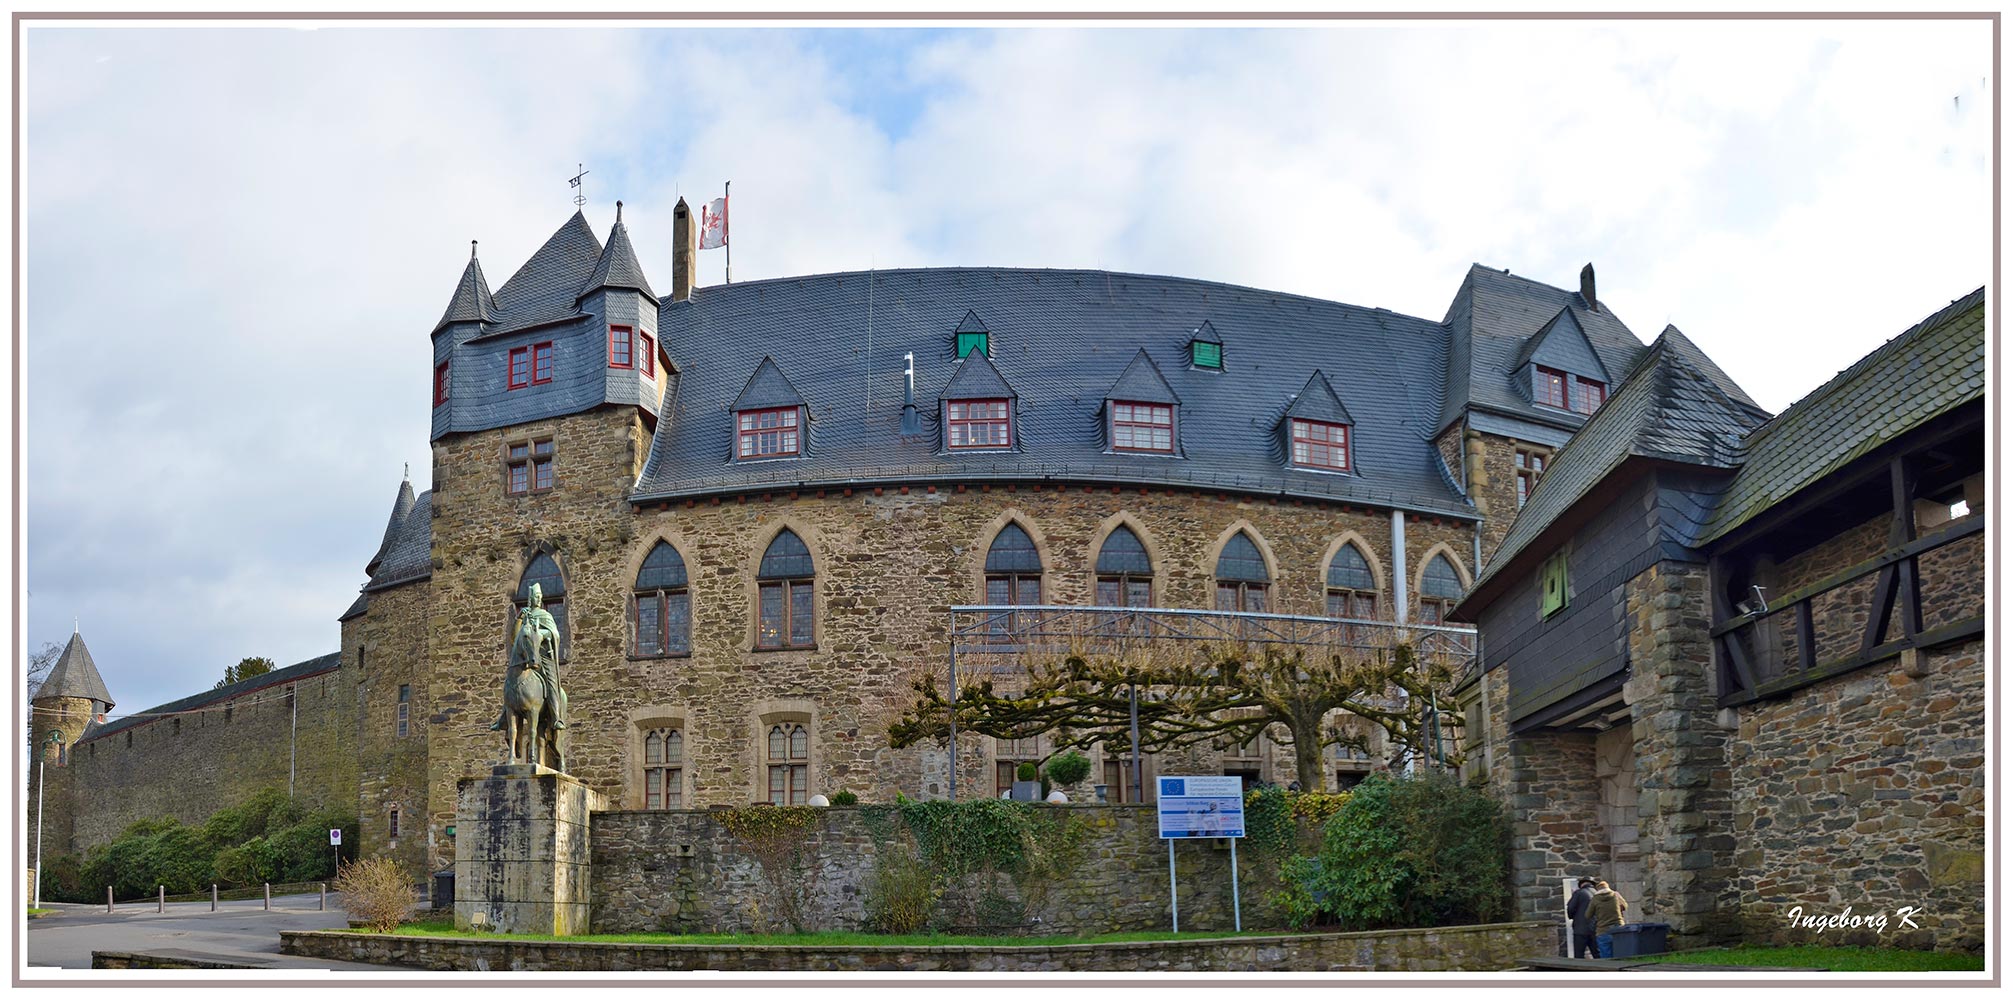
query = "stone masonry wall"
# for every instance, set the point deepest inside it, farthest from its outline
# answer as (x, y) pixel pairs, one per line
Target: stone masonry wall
(217, 756)
(391, 643)
(683, 872)
(1867, 791)
(1480, 947)
(1554, 810)
(1685, 827)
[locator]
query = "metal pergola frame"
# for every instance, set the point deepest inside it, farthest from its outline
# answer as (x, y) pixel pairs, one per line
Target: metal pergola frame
(998, 639)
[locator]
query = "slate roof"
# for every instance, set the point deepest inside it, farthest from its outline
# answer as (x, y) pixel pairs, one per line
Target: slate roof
(75, 675)
(1667, 409)
(1562, 325)
(767, 388)
(976, 378)
(284, 675)
(547, 288)
(401, 509)
(617, 267)
(408, 557)
(1066, 341)
(1492, 319)
(472, 302)
(1206, 333)
(1930, 369)
(1317, 401)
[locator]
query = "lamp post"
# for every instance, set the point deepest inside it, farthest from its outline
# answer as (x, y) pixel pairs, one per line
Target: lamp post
(49, 746)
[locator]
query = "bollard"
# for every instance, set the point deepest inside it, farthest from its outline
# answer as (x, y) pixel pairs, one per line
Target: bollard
(325, 897)
(213, 897)
(162, 907)
(269, 895)
(108, 899)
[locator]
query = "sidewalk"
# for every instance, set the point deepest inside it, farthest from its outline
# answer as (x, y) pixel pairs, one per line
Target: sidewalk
(240, 931)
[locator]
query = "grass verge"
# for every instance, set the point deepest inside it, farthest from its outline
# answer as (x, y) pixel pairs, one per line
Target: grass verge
(1833, 959)
(829, 939)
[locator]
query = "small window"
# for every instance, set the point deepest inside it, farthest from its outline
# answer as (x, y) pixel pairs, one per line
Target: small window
(663, 605)
(784, 598)
(969, 342)
(768, 433)
(404, 707)
(1552, 589)
(1241, 576)
(664, 769)
(530, 365)
(1124, 572)
(1142, 427)
(621, 347)
(1352, 592)
(1008, 756)
(1203, 354)
(1530, 467)
(1589, 395)
(646, 353)
(789, 764)
(1320, 445)
(529, 467)
(440, 383)
(1551, 387)
(980, 423)
(1013, 568)
(391, 824)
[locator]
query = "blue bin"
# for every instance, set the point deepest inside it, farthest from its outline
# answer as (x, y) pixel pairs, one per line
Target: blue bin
(1631, 940)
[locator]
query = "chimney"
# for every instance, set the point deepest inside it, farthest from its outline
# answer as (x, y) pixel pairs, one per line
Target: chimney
(684, 252)
(1587, 288)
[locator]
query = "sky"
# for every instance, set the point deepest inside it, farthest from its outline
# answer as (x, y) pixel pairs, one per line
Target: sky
(238, 239)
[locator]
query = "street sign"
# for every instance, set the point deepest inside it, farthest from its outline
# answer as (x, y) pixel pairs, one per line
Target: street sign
(1205, 806)
(335, 837)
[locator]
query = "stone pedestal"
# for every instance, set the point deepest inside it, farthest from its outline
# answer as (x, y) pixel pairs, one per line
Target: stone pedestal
(521, 851)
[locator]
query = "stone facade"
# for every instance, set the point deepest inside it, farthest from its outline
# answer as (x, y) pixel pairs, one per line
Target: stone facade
(1478, 948)
(521, 853)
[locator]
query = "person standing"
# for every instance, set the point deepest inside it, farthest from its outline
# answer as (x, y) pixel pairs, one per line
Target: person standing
(1609, 910)
(1579, 910)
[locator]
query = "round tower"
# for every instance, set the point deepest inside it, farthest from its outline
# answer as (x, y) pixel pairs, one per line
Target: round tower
(69, 700)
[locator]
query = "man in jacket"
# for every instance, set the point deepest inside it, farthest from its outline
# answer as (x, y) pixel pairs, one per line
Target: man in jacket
(1609, 909)
(1579, 910)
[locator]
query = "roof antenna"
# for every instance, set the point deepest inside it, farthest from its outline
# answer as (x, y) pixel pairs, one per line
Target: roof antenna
(579, 193)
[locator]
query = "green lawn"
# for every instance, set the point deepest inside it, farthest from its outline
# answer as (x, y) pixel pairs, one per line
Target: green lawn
(839, 939)
(35, 911)
(1831, 959)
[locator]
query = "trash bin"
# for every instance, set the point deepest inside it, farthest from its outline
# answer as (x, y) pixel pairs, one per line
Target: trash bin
(1631, 940)
(443, 890)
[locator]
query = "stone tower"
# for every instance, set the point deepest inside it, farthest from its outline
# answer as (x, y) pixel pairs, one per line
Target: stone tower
(69, 700)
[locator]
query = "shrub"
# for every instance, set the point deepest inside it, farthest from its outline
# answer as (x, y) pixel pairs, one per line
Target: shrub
(1318, 806)
(376, 892)
(843, 797)
(1068, 768)
(250, 863)
(903, 892)
(1027, 772)
(1418, 852)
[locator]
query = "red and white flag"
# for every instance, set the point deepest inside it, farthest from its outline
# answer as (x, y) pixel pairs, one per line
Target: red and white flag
(713, 225)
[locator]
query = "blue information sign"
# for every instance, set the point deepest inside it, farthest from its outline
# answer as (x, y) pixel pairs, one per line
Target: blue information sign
(1201, 806)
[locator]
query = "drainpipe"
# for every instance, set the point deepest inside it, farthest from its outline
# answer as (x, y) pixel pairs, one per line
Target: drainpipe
(1401, 603)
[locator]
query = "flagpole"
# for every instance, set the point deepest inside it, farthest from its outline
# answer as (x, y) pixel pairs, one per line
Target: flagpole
(726, 236)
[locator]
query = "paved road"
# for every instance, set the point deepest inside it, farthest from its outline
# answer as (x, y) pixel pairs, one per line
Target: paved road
(241, 931)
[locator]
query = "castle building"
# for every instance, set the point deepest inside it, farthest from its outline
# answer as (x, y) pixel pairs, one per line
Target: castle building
(750, 508)
(1735, 664)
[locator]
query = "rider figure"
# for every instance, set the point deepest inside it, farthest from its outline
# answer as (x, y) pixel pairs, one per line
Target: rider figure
(535, 645)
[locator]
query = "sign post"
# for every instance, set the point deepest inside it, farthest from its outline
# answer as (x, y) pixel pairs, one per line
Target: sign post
(335, 849)
(1202, 806)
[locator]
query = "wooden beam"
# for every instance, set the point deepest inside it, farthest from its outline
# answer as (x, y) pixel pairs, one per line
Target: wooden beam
(1806, 638)
(1902, 476)
(1883, 605)
(1953, 632)
(1716, 578)
(1934, 540)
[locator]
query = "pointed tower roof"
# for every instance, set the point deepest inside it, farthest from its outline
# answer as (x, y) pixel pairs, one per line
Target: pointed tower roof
(1141, 382)
(976, 378)
(472, 302)
(617, 267)
(545, 289)
(75, 676)
(767, 388)
(401, 509)
(1318, 401)
(1573, 339)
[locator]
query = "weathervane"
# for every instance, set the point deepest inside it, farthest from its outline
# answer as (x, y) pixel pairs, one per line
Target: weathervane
(579, 195)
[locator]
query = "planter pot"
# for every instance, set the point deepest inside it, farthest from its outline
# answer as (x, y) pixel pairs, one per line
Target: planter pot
(1027, 791)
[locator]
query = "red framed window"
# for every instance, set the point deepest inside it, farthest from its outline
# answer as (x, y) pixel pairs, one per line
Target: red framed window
(1321, 445)
(530, 365)
(529, 467)
(646, 353)
(1530, 467)
(1590, 396)
(1551, 388)
(980, 423)
(621, 347)
(440, 383)
(1142, 427)
(767, 433)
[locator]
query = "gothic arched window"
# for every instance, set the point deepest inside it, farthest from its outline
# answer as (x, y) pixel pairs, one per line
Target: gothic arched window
(663, 605)
(1013, 568)
(1439, 590)
(1124, 571)
(784, 616)
(1241, 577)
(552, 589)
(1352, 590)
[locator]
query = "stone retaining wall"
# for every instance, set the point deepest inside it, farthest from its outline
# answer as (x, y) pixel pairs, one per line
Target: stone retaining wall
(1481, 947)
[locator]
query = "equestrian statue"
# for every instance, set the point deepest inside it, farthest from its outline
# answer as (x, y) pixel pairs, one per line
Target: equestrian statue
(534, 705)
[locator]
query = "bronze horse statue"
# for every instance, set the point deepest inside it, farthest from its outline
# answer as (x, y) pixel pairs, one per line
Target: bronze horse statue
(534, 705)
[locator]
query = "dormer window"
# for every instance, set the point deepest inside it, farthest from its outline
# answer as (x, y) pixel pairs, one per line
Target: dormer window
(530, 365)
(1203, 354)
(1551, 387)
(969, 342)
(646, 353)
(621, 347)
(1589, 395)
(1145, 427)
(972, 336)
(980, 423)
(1318, 444)
(769, 433)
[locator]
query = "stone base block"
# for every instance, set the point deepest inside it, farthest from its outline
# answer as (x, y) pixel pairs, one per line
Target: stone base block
(521, 851)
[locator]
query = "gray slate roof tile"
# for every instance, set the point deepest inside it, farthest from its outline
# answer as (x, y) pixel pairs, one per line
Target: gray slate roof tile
(1317, 401)
(410, 557)
(284, 675)
(1141, 382)
(472, 302)
(75, 675)
(767, 388)
(617, 267)
(976, 378)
